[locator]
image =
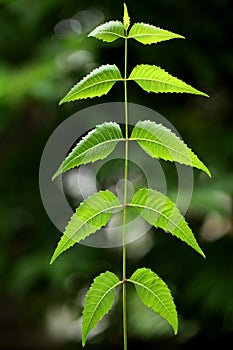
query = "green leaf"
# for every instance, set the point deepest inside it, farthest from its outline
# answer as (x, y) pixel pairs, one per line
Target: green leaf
(155, 79)
(89, 217)
(126, 19)
(155, 294)
(160, 211)
(96, 83)
(149, 34)
(97, 144)
(99, 301)
(160, 142)
(109, 31)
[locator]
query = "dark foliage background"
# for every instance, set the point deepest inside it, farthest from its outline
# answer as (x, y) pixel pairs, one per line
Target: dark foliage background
(43, 52)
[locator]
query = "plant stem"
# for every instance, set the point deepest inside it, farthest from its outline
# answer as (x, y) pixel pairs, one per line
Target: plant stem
(125, 201)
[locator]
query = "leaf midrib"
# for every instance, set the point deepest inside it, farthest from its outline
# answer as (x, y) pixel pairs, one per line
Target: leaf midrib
(121, 206)
(111, 33)
(158, 212)
(188, 159)
(186, 86)
(136, 35)
(108, 81)
(152, 292)
(92, 85)
(90, 218)
(159, 143)
(131, 36)
(91, 149)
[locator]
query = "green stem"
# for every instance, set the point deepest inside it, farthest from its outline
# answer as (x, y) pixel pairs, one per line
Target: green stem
(125, 201)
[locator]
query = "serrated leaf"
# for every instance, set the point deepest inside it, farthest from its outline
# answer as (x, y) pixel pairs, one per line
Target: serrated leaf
(155, 79)
(160, 211)
(96, 83)
(155, 294)
(97, 144)
(126, 19)
(89, 217)
(99, 301)
(149, 34)
(160, 142)
(109, 31)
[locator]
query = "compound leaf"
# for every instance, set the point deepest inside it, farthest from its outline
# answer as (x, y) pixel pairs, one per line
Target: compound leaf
(160, 211)
(109, 31)
(96, 83)
(97, 144)
(155, 294)
(89, 217)
(149, 34)
(99, 301)
(155, 79)
(160, 142)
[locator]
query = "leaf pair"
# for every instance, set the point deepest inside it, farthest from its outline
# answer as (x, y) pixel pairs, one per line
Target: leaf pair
(95, 212)
(151, 289)
(155, 139)
(142, 32)
(150, 78)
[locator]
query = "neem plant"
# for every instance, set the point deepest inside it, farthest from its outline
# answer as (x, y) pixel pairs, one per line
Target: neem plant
(157, 209)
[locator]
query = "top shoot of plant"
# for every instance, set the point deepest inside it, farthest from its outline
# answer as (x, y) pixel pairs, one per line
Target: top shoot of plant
(154, 207)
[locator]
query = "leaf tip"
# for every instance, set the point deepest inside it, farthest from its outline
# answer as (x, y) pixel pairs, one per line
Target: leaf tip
(54, 256)
(175, 324)
(56, 174)
(202, 254)
(208, 173)
(52, 260)
(206, 170)
(126, 19)
(202, 93)
(61, 101)
(83, 341)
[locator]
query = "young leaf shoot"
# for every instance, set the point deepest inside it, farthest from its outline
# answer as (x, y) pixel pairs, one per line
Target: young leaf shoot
(154, 207)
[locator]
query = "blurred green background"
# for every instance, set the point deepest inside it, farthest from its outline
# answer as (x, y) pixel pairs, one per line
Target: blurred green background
(44, 51)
